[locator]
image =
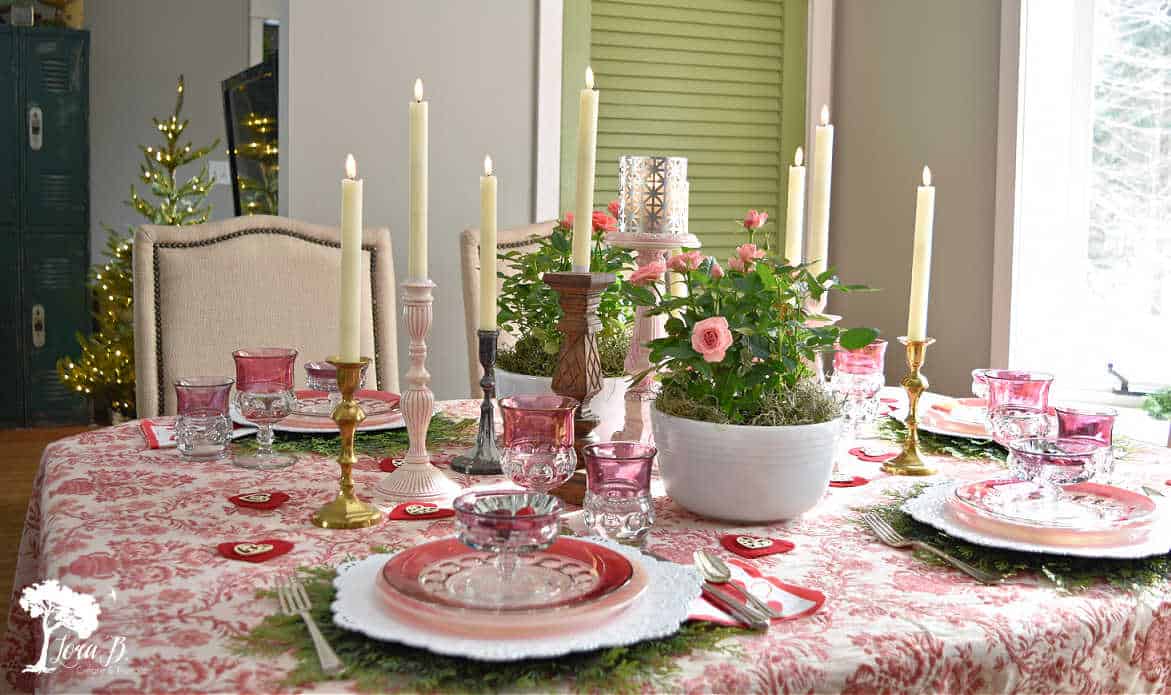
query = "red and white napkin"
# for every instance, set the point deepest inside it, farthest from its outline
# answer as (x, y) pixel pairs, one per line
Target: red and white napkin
(160, 434)
(792, 601)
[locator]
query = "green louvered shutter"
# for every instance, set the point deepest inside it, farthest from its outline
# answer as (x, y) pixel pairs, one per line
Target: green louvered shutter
(700, 79)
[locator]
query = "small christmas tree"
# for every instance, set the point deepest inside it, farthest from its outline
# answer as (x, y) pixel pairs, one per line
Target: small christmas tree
(104, 371)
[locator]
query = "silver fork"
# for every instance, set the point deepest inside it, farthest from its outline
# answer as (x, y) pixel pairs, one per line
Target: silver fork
(294, 601)
(894, 539)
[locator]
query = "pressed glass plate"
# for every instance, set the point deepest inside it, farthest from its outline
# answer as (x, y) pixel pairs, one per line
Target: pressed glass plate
(1081, 506)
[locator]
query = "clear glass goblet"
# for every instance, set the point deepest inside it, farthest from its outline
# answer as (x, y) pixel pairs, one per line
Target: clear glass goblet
(537, 443)
(264, 395)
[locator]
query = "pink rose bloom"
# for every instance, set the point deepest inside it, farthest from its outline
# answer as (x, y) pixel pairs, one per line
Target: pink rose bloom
(717, 271)
(685, 262)
(603, 222)
(567, 220)
(749, 253)
(736, 264)
(711, 338)
(754, 219)
(612, 206)
(651, 272)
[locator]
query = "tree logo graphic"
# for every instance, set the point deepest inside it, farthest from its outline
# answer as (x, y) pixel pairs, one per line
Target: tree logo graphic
(58, 607)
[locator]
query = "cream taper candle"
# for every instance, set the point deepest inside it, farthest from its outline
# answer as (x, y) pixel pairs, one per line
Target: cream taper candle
(823, 157)
(350, 306)
(488, 247)
(921, 262)
(795, 212)
(587, 142)
(417, 245)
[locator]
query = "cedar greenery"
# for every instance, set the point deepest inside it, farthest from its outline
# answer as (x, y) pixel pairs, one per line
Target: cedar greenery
(383, 666)
(443, 431)
(935, 444)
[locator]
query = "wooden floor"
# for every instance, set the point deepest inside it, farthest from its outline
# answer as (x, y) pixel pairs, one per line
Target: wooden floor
(20, 454)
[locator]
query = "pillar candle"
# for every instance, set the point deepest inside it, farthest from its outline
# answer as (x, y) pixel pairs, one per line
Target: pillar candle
(921, 261)
(795, 212)
(350, 308)
(488, 247)
(417, 252)
(823, 156)
(587, 141)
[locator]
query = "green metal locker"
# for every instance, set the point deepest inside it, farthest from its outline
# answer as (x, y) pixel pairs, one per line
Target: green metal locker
(44, 218)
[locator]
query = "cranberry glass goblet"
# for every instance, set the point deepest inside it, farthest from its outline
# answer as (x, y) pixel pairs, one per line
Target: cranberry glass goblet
(1094, 423)
(537, 451)
(858, 376)
(1018, 404)
(264, 395)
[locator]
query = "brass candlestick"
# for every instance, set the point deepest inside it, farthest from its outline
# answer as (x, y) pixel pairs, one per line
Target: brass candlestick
(579, 368)
(484, 457)
(910, 462)
(346, 510)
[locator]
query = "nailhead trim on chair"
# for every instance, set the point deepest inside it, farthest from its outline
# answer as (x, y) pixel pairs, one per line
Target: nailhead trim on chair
(234, 235)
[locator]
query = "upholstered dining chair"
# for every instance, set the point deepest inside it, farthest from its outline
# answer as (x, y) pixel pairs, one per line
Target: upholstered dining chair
(519, 239)
(202, 291)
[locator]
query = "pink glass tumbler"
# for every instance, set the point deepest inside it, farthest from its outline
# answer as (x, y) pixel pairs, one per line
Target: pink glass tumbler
(264, 395)
(538, 440)
(1090, 423)
(617, 501)
(203, 430)
(1018, 404)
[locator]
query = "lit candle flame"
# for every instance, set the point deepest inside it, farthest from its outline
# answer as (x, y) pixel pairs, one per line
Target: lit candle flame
(351, 167)
(487, 165)
(589, 77)
(799, 158)
(825, 114)
(926, 175)
(418, 89)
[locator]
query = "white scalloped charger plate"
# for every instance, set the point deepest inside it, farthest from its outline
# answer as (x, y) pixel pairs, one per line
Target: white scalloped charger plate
(659, 612)
(932, 507)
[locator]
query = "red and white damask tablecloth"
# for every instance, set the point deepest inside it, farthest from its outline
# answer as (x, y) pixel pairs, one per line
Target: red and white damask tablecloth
(137, 529)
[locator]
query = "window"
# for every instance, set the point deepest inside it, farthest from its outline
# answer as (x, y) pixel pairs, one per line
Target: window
(1091, 279)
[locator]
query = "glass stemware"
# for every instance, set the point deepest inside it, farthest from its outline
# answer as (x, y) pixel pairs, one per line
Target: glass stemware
(1094, 423)
(1018, 404)
(203, 429)
(322, 376)
(858, 376)
(617, 501)
(537, 443)
(980, 383)
(264, 395)
(1052, 462)
(508, 524)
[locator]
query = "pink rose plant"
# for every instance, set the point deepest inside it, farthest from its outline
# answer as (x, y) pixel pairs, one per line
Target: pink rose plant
(649, 273)
(711, 338)
(685, 262)
(755, 220)
(613, 207)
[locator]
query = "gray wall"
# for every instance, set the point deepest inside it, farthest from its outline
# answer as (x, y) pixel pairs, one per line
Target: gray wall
(348, 81)
(915, 82)
(138, 48)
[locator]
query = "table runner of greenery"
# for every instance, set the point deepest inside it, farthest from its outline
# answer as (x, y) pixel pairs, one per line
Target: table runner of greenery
(381, 666)
(935, 444)
(444, 431)
(1067, 573)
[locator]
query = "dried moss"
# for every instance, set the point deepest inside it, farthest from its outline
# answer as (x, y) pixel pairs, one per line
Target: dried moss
(806, 403)
(529, 356)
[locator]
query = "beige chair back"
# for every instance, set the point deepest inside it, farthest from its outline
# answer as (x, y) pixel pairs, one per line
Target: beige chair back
(521, 239)
(202, 291)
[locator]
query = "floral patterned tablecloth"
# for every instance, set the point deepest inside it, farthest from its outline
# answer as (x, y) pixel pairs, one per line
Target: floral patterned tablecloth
(137, 529)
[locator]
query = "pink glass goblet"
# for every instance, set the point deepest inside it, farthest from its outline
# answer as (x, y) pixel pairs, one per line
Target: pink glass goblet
(537, 451)
(1094, 423)
(858, 376)
(980, 383)
(617, 501)
(264, 395)
(508, 524)
(1018, 404)
(203, 429)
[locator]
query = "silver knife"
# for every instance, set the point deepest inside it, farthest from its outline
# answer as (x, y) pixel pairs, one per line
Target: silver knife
(725, 601)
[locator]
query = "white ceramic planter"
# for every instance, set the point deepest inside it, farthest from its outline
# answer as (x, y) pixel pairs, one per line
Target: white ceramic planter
(609, 404)
(740, 473)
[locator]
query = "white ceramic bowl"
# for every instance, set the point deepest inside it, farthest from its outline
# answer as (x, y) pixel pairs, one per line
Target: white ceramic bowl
(742, 473)
(609, 404)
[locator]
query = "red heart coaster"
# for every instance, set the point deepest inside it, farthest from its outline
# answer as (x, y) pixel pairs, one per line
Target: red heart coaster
(748, 546)
(254, 551)
(853, 482)
(415, 511)
(871, 455)
(259, 500)
(387, 466)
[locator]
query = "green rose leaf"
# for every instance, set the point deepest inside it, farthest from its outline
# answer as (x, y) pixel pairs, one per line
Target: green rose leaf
(857, 338)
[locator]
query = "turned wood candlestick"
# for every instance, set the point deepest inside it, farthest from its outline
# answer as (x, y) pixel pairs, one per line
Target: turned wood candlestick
(579, 368)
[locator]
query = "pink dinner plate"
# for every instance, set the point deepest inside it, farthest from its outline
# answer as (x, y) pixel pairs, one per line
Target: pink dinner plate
(610, 585)
(1086, 513)
(316, 403)
(934, 420)
(382, 413)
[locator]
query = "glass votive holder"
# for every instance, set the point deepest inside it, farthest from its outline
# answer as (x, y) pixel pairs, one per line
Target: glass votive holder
(537, 442)
(1096, 423)
(617, 502)
(203, 429)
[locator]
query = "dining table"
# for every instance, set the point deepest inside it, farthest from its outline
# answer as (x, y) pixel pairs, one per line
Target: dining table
(138, 528)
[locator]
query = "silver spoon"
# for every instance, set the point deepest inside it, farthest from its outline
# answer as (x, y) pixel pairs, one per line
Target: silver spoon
(717, 571)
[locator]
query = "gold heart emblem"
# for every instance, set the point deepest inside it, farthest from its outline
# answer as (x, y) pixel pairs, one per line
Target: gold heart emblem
(256, 497)
(419, 509)
(248, 549)
(753, 543)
